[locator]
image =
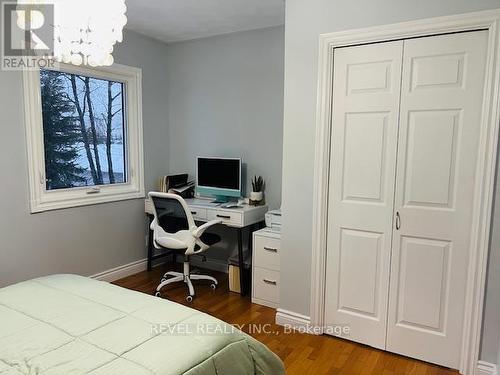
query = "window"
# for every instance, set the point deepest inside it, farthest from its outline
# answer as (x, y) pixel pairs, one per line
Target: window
(84, 135)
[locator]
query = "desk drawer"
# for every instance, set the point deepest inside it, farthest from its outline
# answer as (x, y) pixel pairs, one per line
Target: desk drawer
(227, 217)
(267, 252)
(199, 213)
(266, 285)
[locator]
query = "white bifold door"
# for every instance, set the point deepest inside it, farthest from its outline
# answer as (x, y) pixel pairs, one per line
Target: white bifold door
(405, 134)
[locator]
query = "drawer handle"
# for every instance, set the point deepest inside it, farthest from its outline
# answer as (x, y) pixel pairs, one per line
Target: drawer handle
(267, 281)
(271, 249)
(193, 212)
(224, 216)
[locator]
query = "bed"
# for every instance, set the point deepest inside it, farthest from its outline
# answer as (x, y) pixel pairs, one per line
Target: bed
(68, 324)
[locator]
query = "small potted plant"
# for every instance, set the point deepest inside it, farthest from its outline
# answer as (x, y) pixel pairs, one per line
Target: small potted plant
(257, 194)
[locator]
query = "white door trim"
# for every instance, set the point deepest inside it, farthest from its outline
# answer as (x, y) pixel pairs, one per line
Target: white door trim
(487, 20)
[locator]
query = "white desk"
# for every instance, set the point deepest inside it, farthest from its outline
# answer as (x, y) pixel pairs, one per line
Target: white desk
(239, 218)
(204, 210)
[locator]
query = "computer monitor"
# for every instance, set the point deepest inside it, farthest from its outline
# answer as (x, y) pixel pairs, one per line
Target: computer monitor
(219, 177)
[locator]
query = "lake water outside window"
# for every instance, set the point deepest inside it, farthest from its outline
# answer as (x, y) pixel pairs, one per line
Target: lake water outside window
(84, 130)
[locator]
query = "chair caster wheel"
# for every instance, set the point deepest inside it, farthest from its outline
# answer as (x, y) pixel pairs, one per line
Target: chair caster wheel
(157, 294)
(213, 286)
(162, 280)
(189, 299)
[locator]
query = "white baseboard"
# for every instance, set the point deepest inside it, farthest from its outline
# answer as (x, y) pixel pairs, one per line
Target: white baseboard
(486, 368)
(292, 319)
(210, 264)
(122, 271)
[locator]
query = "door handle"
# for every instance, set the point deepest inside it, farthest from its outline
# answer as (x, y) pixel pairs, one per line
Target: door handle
(271, 249)
(94, 190)
(398, 221)
(272, 282)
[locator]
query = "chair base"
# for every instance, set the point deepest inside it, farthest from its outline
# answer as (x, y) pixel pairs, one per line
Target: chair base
(186, 277)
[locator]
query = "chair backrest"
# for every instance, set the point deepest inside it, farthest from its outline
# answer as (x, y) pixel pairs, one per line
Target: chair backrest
(171, 212)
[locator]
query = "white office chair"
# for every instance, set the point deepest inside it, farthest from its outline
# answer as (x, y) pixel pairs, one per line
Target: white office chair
(174, 229)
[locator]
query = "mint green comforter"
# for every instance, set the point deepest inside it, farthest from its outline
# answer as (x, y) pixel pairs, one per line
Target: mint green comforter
(67, 324)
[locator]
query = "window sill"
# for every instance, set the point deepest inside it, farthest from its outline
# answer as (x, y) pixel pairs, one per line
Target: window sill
(58, 200)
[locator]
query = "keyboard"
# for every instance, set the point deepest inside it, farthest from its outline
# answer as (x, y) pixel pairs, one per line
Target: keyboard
(201, 202)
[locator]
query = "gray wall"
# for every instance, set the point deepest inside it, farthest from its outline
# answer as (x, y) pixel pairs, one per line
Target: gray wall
(305, 20)
(226, 99)
(89, 239)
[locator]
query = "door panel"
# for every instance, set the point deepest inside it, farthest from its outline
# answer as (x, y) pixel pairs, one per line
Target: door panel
(426, 309)
(364, 171)
(368, 77)
(361, 192)
(437, 71)
(430, 158)
(441, 100)
(359, 250)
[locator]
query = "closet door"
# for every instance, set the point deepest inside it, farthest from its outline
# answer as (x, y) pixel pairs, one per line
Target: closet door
(361, 190)
(442, 92)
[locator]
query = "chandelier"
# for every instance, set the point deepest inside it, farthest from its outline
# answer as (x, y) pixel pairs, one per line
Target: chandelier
(85, 31)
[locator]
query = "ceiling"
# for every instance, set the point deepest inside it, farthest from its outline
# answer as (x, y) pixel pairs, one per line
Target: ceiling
(178, 20)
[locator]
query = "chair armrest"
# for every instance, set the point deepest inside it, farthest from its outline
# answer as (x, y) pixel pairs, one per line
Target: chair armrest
(200, 230)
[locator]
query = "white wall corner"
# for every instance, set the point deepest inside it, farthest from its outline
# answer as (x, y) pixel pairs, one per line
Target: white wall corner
(120, 272)
(486, 368)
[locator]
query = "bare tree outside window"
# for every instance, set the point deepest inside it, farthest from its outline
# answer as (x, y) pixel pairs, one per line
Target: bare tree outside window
(84, 134)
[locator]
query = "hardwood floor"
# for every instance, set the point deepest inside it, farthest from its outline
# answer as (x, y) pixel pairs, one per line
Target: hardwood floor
(301, 353)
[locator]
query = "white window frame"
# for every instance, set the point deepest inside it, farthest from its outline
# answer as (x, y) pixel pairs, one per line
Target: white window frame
(42, 199)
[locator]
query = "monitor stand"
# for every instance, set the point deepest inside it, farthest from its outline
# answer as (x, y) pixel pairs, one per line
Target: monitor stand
(220, 199)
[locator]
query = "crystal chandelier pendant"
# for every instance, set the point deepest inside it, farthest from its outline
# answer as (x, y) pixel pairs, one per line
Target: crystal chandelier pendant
(85, 31)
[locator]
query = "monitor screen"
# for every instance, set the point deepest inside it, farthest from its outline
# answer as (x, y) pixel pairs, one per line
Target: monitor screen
(219, 173)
